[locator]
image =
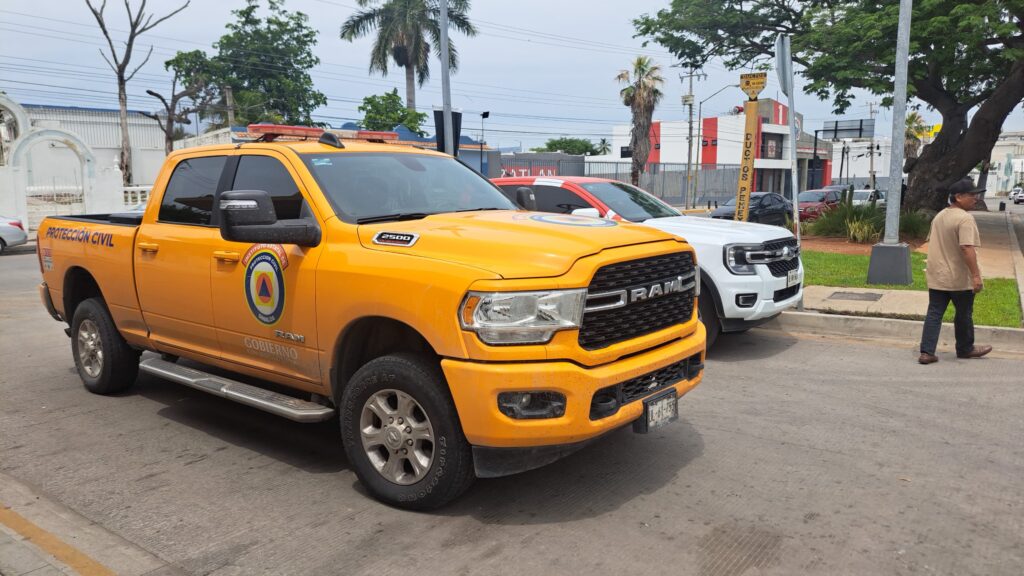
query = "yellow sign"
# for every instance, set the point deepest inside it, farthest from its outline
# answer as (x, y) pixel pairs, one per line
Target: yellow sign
(753, 83)
(747, 161)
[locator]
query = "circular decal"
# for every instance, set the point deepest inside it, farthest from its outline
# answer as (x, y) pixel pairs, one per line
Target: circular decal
(569, 220)
(264, 287)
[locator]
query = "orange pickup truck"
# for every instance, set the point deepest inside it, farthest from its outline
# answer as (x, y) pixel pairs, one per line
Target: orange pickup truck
(453, 335)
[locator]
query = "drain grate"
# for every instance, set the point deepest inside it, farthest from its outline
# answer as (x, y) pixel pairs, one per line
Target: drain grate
(857, 296)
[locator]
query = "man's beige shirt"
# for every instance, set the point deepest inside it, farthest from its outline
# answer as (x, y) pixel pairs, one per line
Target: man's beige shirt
(947, 269)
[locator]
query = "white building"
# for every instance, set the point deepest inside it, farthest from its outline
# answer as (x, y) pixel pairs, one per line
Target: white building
(65, 160)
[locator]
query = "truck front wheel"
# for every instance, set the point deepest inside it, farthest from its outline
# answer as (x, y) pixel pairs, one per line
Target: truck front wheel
(402, 435)
(105, 362)
(708, 315)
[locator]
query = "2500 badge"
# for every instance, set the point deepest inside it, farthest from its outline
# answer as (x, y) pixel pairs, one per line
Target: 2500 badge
(264, 281)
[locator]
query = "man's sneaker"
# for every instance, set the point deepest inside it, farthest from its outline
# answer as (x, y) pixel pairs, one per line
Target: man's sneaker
(976, 352)
(926, 358)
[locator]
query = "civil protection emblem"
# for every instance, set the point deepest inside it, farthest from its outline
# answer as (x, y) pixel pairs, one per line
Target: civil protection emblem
(264, 281)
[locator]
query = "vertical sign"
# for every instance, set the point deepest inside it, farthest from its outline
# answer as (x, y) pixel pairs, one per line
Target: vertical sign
(752, 84)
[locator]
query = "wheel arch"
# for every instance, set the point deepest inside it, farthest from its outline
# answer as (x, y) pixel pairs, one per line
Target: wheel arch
(78, 286)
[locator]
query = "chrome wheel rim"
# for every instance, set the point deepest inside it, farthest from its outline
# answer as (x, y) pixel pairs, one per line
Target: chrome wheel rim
(397, 436)
(90, 348)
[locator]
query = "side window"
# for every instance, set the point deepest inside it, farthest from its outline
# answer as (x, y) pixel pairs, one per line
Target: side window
(832, 197)
(188, 198)
(268, 174)
(560, 200)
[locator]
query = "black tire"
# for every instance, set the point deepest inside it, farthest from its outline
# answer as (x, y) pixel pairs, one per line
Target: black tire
(118, 362)
(3, 245)
(709, 316)
(450, 471)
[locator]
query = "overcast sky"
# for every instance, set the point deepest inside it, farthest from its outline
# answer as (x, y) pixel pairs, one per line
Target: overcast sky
(542, 68)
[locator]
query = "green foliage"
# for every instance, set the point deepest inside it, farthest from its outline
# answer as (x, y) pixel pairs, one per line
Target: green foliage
(386, 111)
(577, 146)
(266, 61)
(405, 30)
(603, 146)
(865, 223)
(641, 94)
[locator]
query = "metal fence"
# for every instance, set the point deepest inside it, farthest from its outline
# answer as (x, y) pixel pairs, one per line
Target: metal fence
(668, 181)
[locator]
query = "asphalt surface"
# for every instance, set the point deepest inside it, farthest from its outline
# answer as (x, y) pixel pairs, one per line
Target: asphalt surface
(795, 456)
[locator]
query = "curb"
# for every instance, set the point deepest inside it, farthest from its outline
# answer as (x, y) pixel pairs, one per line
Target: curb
(1007, 341)
(1018, 262)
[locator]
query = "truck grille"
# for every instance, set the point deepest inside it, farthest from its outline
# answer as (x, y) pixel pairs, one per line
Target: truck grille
(781, 267)
(602, 328)
(608, 400)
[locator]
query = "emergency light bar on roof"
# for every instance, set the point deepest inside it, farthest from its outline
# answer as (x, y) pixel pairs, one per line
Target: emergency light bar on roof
(271, 132)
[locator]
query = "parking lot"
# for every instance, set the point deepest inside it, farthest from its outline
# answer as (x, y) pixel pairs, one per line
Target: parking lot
(796, 455)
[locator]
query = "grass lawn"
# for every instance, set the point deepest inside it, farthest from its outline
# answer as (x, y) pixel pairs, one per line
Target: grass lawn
(997, 305)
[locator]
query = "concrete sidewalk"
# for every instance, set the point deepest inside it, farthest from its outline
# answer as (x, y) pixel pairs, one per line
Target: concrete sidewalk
(999, 257)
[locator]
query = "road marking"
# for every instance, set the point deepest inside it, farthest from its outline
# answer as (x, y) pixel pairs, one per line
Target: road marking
(69, 555)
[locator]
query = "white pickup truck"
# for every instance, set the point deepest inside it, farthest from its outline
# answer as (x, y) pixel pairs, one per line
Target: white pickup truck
(750, 273)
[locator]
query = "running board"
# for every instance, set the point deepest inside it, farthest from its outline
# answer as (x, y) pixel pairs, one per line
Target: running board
(280, 404)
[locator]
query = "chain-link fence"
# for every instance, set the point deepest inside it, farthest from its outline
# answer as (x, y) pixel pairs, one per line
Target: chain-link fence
(668, 181)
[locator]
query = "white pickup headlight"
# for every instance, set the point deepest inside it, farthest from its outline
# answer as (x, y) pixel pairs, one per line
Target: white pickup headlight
(737, 258)
(521, 317)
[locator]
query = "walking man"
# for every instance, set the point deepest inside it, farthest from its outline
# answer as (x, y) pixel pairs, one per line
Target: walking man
(953, 273)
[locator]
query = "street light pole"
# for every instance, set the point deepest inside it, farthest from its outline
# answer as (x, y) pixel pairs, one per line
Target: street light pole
(700, 142)
(483, 115)
(446, 89)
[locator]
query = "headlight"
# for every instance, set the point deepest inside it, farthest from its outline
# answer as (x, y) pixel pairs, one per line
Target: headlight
(736, 258)
(521, 317)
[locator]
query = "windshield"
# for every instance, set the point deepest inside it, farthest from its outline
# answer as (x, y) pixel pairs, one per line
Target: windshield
(730, 202)
(631, 203)
(812, 196)
(382, 184)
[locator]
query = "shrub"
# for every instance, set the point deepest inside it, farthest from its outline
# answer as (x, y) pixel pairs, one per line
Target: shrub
(915, 224)
(835, 222)
(862, 231)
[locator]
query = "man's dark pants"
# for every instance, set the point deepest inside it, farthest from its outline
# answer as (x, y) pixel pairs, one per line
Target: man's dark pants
(938, 301)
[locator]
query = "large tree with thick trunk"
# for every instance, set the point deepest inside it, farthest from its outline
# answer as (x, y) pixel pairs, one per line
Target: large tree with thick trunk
(966, 62)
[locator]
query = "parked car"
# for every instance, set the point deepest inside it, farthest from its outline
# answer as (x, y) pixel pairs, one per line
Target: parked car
(814, 203)
(765, 208)
(12, 233)
(1017, 195)
(861, 197)
(749, 272)
(449, 334)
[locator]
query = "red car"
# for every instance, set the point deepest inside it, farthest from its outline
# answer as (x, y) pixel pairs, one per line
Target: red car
(814, 203)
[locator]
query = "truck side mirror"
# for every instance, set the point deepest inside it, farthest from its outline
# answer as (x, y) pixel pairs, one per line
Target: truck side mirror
(526, 198)
(592, 212)
(249, 216)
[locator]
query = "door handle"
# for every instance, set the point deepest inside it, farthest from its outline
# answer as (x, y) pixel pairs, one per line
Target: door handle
(148, 247)
(226, 256)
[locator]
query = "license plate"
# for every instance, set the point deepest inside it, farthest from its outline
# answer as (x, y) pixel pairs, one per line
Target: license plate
(658, 411)
(792, 278)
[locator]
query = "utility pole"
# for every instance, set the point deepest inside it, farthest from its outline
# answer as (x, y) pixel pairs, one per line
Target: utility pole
(871, 151)
(446, 89)
(229, 98)
(688, 101)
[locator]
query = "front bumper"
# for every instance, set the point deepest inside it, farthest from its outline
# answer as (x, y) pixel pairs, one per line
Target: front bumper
(475, 387)
(773, 297)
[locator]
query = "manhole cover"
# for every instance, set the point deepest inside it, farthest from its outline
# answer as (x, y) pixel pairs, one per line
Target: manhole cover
(858, 296)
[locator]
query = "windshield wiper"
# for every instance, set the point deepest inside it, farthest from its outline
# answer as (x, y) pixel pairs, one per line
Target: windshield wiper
(392, 217)
(479, 209)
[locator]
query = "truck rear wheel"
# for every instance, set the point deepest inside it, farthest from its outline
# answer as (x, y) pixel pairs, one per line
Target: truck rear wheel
(105, 362)
(402, 435)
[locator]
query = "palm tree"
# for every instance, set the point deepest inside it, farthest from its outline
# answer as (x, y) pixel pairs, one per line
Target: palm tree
(603, 147)
(641, 95)
(403, 30)
(916, 129)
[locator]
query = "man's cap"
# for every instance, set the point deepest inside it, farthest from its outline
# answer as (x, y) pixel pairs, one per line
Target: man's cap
(964, 186)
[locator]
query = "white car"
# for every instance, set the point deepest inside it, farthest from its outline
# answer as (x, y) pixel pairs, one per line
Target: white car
(750, 273)
(12, 233)
(1017, 195)
(866, 196)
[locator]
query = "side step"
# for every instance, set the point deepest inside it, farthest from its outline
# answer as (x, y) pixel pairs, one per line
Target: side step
(266, 400)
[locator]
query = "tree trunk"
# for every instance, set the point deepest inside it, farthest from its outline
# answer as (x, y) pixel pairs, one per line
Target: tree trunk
(169, 134)
(126, 147)
(410, 87)
(640, 142)
(959, 146)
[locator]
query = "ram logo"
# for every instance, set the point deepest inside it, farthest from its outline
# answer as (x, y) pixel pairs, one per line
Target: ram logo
(656, 290)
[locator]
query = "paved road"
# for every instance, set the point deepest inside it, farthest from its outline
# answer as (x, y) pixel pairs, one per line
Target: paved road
(796, 456)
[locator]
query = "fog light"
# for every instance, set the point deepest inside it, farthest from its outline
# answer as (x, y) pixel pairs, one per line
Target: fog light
(531, 405)
(746, 300)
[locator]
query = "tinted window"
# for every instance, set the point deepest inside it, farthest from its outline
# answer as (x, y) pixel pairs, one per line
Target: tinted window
(560, 200)
(189, 195)
(367, 185)
(268, 174)
(832, 197)
(631, 203)
(812, 196)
